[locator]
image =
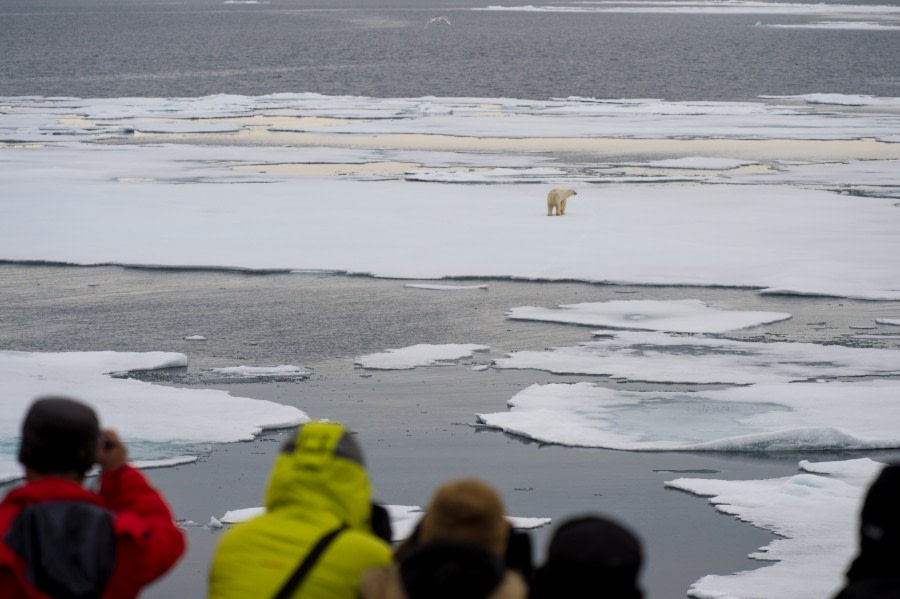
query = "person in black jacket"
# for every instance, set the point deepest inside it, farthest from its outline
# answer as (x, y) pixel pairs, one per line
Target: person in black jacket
(875, 573)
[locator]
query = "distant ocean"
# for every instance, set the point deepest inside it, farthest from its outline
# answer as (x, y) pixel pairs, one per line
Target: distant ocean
(383, 48)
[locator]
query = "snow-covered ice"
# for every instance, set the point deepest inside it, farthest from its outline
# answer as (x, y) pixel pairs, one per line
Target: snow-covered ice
(765, 417)
(436, 287)
(657, 357)
(817, 515)
(404, 519)
(677, 316)
(285, 370)
(423, 354)
(705, 7)
(157, 422)
(730, 221)
(890, 321)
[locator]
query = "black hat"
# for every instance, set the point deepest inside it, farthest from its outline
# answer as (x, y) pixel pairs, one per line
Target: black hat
(588, 553)
(59, 435)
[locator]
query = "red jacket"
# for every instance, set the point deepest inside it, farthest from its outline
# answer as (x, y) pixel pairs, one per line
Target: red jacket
(57, 535)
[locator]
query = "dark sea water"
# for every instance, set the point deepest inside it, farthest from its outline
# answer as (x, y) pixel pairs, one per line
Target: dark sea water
(116, 48)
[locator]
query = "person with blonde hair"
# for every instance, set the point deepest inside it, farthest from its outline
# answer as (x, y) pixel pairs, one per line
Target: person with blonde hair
(458, 551)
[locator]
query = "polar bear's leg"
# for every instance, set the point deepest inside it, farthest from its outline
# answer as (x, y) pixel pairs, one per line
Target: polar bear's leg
(562, 207)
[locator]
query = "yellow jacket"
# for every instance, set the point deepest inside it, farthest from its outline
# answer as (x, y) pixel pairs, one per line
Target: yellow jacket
(316, 485)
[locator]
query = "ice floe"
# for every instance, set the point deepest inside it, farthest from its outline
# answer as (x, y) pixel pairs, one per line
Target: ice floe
(423, 354)
(729, 222)
(765, 417)
(844, 25)
(285, 370)
(404, 519)
(157, 422)
(437, 287)
(700, 7)
(817, 515)
(890, 321)
(679, 316)
(656, 357)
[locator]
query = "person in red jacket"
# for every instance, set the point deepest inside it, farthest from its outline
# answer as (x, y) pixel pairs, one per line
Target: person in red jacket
(61, 540)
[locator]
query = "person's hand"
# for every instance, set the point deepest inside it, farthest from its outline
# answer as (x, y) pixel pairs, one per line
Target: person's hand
(111, 452)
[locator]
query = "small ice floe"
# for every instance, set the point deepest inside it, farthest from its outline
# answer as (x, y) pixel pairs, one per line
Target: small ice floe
(164, 463)
(480, 367)
(241, 515)
(283, 371)
(404, 519)
(195, 338)
(442, 20)
(422, 354)
(214, 523)
(435, 287)
(890, 321)
(674, 316)
(815, 516)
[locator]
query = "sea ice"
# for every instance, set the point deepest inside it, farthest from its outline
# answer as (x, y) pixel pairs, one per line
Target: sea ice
(404, 519)
(285, 370)
(657, 357)
(677, 316)
(700, 163)
(157, 422)
(706, 7)
(815, 513)
(435, 287)
(422, 354)
(771, 417)
(890, 321)
(732, 227)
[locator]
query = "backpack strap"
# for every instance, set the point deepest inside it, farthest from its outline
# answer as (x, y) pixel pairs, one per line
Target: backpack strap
(308, 562)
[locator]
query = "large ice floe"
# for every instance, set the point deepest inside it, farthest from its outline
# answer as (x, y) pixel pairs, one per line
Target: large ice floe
(700, 195)
(160, 423)
(676, 316)
(765, 417)
(816, 515)
(661, 358)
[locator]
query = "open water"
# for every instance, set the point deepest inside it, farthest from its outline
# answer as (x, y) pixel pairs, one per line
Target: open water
(382, 48)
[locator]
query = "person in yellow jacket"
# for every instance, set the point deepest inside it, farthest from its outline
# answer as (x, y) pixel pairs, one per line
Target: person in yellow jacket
(318, 486)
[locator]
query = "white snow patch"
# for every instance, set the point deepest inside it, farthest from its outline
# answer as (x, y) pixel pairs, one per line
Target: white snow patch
(285, 370)
(422, 354)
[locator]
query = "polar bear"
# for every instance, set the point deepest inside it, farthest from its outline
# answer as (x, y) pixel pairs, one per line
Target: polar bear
(556, 199)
